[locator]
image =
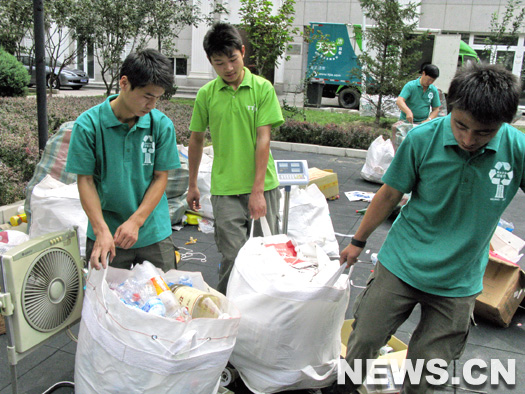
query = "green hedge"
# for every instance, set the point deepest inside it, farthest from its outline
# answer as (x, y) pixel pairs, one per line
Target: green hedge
(346, 136)
(19, 134)
(14, 78)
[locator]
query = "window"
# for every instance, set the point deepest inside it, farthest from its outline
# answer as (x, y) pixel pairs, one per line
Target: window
(181, 66)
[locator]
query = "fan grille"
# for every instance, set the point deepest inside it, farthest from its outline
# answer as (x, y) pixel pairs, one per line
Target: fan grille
(50, 290)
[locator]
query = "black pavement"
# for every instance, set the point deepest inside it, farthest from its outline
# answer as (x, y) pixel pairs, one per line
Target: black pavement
(54, 361)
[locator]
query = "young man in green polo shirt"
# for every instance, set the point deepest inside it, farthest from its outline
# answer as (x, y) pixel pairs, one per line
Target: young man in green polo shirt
(240, 110)
(121, 151)
(463, 171)
(418, 96)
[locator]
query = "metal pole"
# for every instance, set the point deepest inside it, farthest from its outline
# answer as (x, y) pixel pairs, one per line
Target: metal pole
(40, 54)
(286, 208)
(363, 45)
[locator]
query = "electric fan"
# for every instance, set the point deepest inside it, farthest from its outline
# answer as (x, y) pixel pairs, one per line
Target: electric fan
(42, 284)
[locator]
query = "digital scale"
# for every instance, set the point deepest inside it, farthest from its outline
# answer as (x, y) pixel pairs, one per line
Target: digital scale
(289, 173)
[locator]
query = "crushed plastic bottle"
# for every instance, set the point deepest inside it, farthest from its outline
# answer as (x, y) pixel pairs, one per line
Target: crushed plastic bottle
(155, 306)
(148, 272)
(185, 280)
(509, 226)
(385, 350)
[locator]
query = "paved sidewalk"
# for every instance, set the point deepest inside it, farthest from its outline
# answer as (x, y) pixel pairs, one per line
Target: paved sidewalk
(54, 361)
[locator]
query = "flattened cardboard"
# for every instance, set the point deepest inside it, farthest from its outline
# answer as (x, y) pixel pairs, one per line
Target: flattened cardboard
(503, 291)
(326, 181)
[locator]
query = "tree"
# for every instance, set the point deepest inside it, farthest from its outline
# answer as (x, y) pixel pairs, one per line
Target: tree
(16, 19)
(165, 19)
(505, 32)
(67, 31)
(114, 25)
(269, 35)
(391, 47)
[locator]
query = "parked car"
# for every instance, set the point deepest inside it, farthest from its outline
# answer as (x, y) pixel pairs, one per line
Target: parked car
(72, 78)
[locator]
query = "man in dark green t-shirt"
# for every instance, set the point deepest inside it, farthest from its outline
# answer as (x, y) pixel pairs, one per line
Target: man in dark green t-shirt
(240, 109)
(121, 151)
(463, 171)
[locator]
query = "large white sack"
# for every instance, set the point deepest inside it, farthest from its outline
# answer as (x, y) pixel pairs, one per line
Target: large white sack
(289, 336)
(125, 350)
(56, 206)
(378, 159)
(309, 219)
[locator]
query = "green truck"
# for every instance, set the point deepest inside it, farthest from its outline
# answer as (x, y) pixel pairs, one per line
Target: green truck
(332, 55)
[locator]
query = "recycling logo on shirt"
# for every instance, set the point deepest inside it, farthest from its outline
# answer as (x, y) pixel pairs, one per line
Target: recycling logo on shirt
(148, 148)
(501, 175)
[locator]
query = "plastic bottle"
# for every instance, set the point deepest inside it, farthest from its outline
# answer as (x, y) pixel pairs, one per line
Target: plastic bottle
(128, 294)
(185, 280)
(509, 226)
(156, 306)
(198, 302)
(148, 272)
(385, 350)
(17, 220)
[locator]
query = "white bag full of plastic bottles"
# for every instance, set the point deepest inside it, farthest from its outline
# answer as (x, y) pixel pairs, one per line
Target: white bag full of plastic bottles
(289, 335)
(126, 350)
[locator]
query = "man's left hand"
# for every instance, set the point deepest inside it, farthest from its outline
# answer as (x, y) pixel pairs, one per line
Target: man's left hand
(126, 235)
(257, 205)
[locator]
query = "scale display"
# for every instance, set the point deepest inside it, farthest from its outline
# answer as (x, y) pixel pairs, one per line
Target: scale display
(292, 172)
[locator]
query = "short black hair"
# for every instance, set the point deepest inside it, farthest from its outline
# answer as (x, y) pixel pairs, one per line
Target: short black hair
(431, 70)
(147, 67)
(222, 38)
(488, 91)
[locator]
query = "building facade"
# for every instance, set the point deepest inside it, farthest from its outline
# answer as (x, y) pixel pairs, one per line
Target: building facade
(469, 18)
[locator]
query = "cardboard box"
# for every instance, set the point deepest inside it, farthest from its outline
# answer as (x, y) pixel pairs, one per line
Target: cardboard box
(503, 291)
(397, 356)
(326, 181)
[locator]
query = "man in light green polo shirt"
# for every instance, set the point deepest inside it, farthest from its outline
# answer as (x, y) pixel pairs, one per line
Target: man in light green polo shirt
(240, 110)
(121, 151)
(463, 171)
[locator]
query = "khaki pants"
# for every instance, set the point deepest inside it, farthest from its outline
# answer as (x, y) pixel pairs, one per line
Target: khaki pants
(233, 225)
(386, 303)
(160, 254)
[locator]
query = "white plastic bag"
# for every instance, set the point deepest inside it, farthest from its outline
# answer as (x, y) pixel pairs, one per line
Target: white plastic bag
(56, 206)
(289, 337)
(125, 350)
(309, 219)
(378, 158)
(11, 238)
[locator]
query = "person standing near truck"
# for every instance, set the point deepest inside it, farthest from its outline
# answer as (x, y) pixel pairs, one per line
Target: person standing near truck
(240, 110)
(418, 96)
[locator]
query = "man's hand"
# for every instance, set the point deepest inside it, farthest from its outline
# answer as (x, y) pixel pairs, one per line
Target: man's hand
(103, 247)
(349, 255)
(410, 116)
(193, 198)
(257, 205)
(127, 234)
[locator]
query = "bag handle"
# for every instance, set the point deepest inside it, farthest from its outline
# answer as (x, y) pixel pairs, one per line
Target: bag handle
(312, 374)
(264, 225)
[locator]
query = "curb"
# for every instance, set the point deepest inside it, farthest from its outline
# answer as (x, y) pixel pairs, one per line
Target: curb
(323, 150)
